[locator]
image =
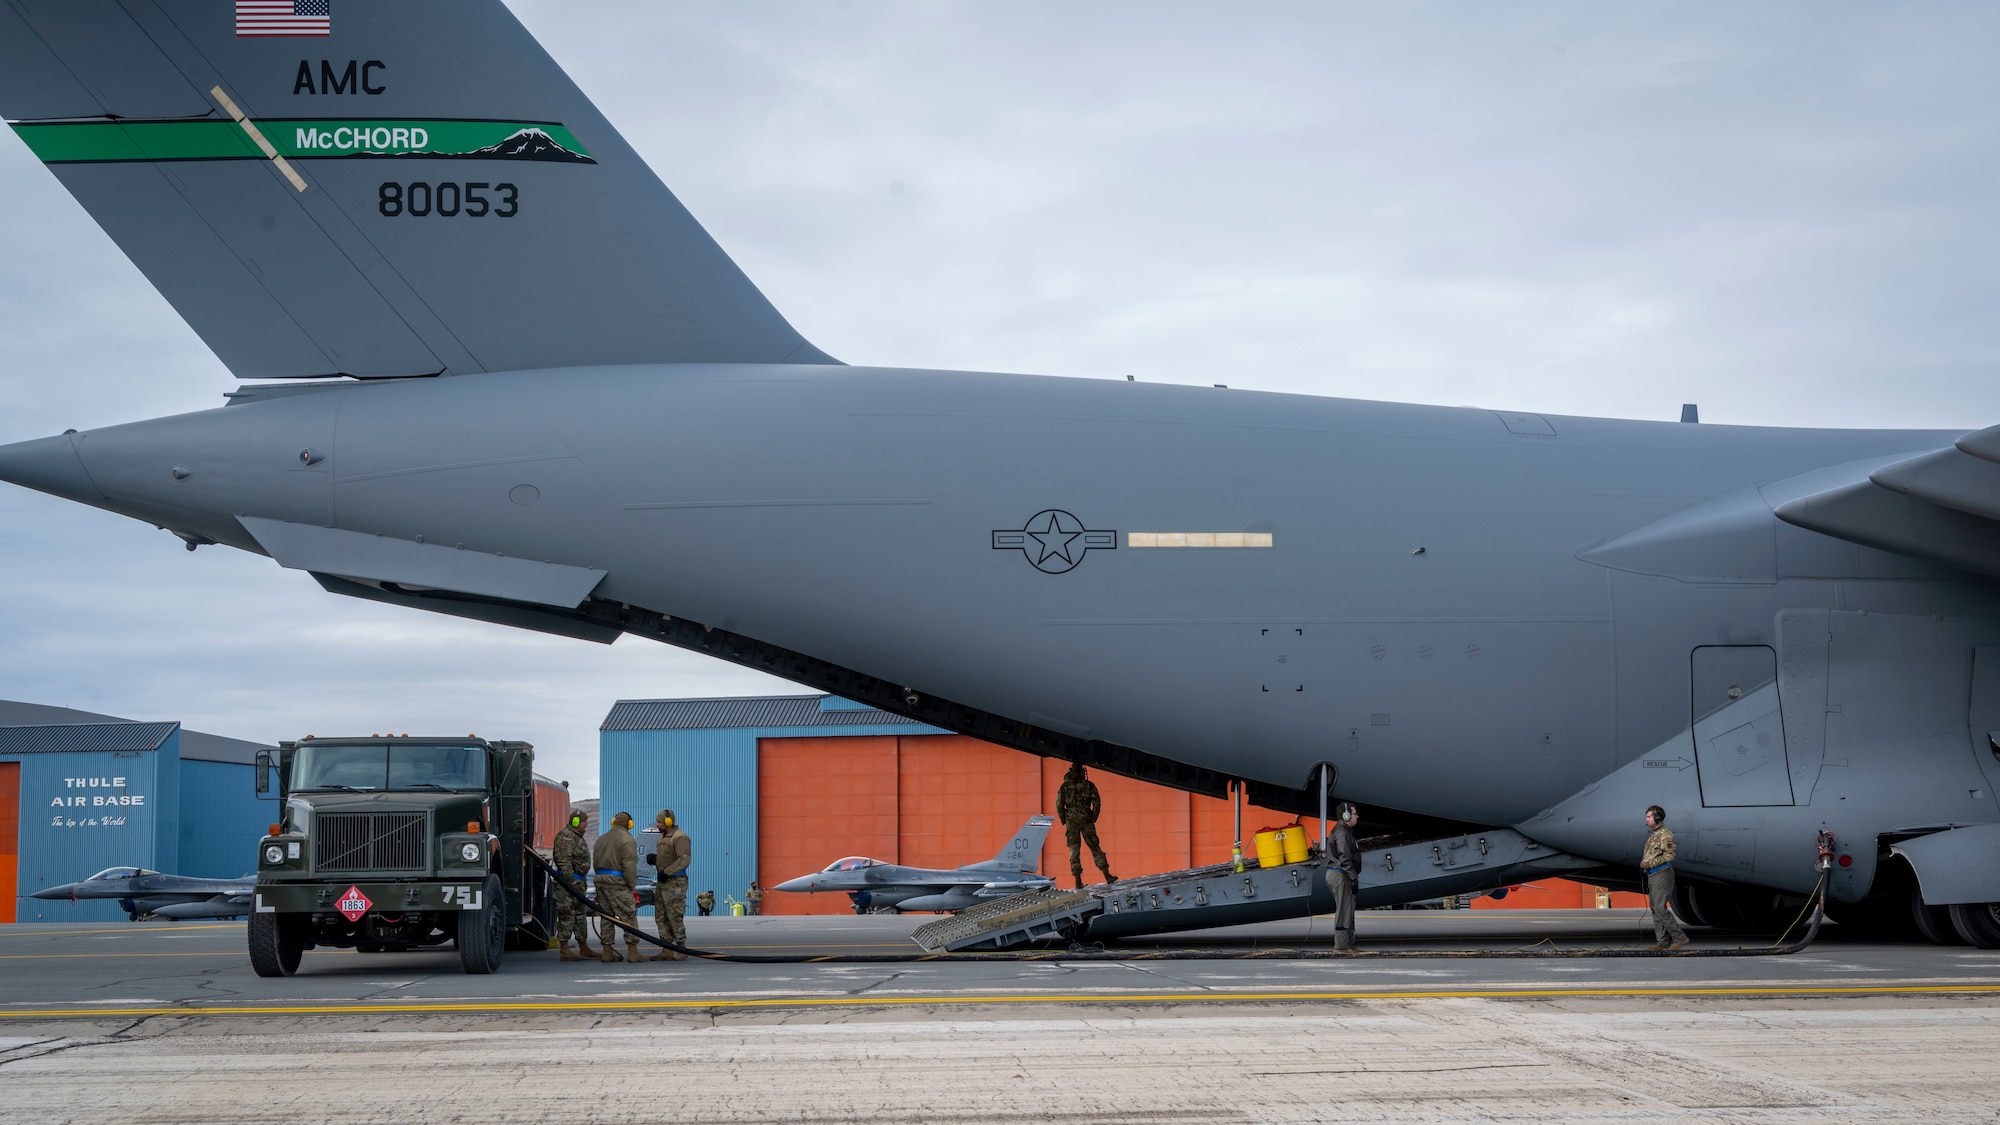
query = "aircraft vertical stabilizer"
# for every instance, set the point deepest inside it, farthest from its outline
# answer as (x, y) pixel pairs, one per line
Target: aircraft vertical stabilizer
(389, 189)
(1023, 852)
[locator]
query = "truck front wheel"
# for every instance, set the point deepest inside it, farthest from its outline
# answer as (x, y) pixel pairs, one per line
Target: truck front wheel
(275, 946)
(482, 933)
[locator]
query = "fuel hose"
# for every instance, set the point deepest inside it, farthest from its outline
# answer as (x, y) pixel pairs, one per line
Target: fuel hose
(1813, 914)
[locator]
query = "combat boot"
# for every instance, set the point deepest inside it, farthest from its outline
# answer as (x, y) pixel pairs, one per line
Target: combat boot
(583, 946)
(609, 954)
(632, 952)
(662, 954)
(568, 954)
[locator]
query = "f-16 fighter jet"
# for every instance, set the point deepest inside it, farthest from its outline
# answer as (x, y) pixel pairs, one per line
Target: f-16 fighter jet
(877, 887)
(152, 894)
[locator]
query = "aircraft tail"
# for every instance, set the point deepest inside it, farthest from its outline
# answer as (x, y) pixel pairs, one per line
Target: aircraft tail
(373, 189)
(1024, 851)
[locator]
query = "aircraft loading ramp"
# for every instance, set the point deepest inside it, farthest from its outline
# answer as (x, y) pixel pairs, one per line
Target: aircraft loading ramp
(1219, 895)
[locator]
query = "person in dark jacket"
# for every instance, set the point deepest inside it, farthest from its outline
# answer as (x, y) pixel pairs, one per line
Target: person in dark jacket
(1343, 874)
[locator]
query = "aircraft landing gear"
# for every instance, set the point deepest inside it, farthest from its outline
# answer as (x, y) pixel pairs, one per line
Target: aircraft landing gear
(1933, 922)
(1978, 923)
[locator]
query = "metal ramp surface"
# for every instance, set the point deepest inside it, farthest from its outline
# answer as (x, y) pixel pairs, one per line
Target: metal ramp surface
(1220, 895)
(1009, 921)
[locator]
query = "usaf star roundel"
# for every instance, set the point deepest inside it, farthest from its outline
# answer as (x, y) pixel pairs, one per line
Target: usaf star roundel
(1054, 541)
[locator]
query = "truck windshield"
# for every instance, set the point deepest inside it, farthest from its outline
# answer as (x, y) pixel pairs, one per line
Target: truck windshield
(389, 767)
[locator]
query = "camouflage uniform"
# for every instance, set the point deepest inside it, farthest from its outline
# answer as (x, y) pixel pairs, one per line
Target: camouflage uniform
(753, 899)
(572, 859)
(1657, 861)
(705, 901)
(670, 894)
(615, 861)
(1077, 806)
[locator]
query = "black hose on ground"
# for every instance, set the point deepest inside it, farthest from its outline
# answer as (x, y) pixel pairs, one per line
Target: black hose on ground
(1816, 903)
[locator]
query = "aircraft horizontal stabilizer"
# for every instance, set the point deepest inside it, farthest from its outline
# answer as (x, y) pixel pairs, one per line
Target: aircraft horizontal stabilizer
(1942, 506)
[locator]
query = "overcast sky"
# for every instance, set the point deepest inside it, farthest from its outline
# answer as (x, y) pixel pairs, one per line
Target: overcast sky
(1783, 213)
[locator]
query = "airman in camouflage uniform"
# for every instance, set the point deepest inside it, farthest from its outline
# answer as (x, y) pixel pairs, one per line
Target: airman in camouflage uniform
(706, 902)
(572, 862)
(615, 862)
(1657, 862)
(670, 893)
(1077, 806)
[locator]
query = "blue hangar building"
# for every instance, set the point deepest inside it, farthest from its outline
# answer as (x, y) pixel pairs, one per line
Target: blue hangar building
(81, 792)
(699, 757)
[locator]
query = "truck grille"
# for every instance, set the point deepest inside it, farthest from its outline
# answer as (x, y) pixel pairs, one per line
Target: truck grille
(368, 842)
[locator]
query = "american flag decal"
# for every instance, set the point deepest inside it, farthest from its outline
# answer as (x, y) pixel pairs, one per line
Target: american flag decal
(269, 19)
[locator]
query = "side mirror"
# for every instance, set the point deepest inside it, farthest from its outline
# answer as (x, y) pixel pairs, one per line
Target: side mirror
(263, 772)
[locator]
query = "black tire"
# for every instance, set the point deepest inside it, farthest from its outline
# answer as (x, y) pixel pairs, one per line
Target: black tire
(1978, 923)
(1717, 906)
(277, 944)
(1933, 922)
(1685, 906)
(482, 933)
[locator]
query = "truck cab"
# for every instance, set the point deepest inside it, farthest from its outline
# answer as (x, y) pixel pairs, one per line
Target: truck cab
(396, 843)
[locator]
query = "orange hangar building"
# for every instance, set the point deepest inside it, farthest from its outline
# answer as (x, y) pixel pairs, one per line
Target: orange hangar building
(773, 787)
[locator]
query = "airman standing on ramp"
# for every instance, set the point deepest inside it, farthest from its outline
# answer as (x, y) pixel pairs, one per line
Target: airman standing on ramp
(1077, 806)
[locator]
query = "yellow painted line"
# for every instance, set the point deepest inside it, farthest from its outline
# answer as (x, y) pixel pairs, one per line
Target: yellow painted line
(121, 956)
(586, 1005)
(8, 931)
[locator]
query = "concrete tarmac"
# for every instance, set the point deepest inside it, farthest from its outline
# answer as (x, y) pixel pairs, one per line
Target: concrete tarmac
(165, 1022)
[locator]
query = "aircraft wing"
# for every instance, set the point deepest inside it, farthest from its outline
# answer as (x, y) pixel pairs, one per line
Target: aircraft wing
(1942, 506)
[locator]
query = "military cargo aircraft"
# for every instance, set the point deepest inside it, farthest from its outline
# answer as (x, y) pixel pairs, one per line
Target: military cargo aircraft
(145, 894)
(507, 376)
(876, 887)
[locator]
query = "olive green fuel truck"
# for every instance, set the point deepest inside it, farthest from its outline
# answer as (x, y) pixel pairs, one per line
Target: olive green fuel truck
(393, 843)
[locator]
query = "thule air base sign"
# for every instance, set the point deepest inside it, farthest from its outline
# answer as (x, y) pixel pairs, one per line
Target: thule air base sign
(353, 904)
(96, 142)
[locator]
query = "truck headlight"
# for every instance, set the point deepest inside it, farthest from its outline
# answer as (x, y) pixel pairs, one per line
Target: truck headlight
(274, 854)
(469, 852)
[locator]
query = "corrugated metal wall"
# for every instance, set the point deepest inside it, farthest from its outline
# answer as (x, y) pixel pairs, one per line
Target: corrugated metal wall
(709, 779)
(949, 800)
(10, 836)
(821, 799)
(78, 818)
(221, 820)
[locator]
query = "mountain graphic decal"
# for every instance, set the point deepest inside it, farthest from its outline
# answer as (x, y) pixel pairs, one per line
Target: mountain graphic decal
(529, 144)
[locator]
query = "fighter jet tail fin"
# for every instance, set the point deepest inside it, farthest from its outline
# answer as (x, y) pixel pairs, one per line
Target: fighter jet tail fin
(375, 189)
(1024, 851)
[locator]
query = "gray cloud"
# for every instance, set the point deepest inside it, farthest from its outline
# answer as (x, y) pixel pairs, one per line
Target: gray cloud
(1780, 213)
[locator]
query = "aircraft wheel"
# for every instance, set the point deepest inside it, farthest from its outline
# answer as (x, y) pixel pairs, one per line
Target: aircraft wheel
(1718, 906)
(482, 933)
(1934, 922)
(276, 945)
(1686, 907)
(1978, 923)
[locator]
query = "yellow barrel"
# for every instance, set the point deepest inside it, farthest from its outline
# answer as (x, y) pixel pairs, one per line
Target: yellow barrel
(1270, 851)
(1293, 838)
